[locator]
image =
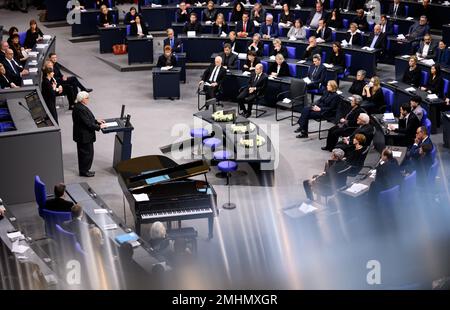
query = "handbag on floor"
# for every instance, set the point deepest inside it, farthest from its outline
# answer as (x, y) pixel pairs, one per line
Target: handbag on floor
(119, 49)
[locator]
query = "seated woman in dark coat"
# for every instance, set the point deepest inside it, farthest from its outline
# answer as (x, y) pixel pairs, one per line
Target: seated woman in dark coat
(356, 157)
(337, 56)
(251, 62)
(33, 35)
(105, 18)
(278, 48)
(373, 94)
(279, 68)
(435, 83)
(167, 59)
(138, 28)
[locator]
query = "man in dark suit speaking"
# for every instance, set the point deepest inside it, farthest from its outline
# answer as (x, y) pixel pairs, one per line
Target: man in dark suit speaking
(256, 86)
(84, 127)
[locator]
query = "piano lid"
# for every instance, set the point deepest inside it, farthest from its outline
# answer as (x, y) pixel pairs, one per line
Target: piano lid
(141, 172)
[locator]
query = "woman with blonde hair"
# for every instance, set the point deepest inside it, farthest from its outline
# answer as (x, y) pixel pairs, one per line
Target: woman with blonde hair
(373, 94)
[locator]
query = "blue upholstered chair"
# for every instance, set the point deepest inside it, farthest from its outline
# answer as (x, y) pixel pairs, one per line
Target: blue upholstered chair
(52, 218)
(68, 243)
(345, 23)
(446, 84)
(228, 166)
(265, 66)
(395, 29)
(389, 198)
(432, 173)
(7, 126)
(348, 64)
(408, 188)
(427, 124)
(292, 69)
(22, 36)
(291, 52)
(40, 193)
(266, 50)
(424, 78)
(388, 98)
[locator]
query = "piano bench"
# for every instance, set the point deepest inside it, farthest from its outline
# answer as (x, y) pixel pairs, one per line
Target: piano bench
(187, 233)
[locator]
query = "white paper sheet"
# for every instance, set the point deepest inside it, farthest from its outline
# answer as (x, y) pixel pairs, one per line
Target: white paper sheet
(100, 211)
(356, 188)
(28, 82)
(396, 154)
(111, 124)
(410, 89)
(19, 248)
(307, 80)
(141, 197)
(388, 116)
(307, 208)
(33, 70)
(110, 226)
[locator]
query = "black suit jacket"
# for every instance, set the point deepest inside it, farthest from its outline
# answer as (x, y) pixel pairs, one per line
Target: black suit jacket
(352, 117)
(308, 54)
(134, 30)
(311, 16)
(381, 42)
(408, 128)
(13, 77)
(366, 130)
(5, 82)
(219, 30)
(377, 99)
(412, 77)
(84, 124)
(356, 38)
(326, 34)
(247, 62)
(162, 61)
(58, 75)
(192, 27)
(435, 85)
(328, 104)
(249, 28)
(176, 44)
(284, 69)
(357, 87)
(283, 51)
(319, 77)
(207, 74)
(183, 18)
(49, 96)
(338, 60)
(400, 10)
(260, 50)
(431, 50)
(361, 22)
(388, 175)
(260, 85)
(229, 61)
(58, 204)
(105, 19)
(234, 47)
(77, 227)
(335, 176)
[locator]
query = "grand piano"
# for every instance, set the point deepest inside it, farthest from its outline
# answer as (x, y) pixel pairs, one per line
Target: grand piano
(158, 189)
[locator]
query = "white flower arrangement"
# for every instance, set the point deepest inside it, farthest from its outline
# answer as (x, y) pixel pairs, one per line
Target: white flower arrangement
(243, 128)
(218, 116)
(249, 142)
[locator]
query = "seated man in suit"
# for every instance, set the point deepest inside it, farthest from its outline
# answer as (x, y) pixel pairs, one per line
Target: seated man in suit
(14, 71)
(316, 14)
(387, 176)
(426, 48)
(229, 60)
(212, 78)
(377, 39)
(364, 127)
(407, 125)
(244, 28)
(256, 45)
(182, 14)
(193, 25)
(269, 29)
(419, 155)
(66, 80)
(174, 43)
(332, 178)
(77, 226)
(317, 73)
(412, 75)
(312, 49)
(233, 42)
(325, 107)
(396, 9)
(361, 20)
(59, 203)
(323, 33)
(4, 45)
(209, 13)
(442, 54)
(386, 26)
(256, 86)
(417, 31)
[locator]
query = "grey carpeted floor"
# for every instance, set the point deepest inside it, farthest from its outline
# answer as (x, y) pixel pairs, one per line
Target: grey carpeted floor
(256, 245)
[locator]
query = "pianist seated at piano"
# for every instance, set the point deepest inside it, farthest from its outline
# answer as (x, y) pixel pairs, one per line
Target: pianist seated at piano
(156, 236)
(138, 28)
(58, 203)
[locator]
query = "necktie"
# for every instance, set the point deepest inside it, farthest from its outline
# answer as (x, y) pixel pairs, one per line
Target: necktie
(171, 43)
(374, 41)
(348, 4)
(395, 9)
(314, 72)
(245, 27)
(268, 31)
(322, 33)
(256, 80)
(214, 74)
(12, 66)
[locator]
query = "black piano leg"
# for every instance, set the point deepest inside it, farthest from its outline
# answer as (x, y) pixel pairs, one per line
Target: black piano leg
(210, 227)
(137, 227)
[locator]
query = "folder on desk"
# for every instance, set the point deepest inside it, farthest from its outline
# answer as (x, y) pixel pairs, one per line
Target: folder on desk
(129, 237)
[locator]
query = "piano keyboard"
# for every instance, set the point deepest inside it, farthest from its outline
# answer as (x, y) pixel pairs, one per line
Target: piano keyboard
(155, 215)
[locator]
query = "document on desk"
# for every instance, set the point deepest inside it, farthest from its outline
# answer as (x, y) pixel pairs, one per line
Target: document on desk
(15, 235)
(392, 82)
(301, 61)
(401, 37)
(19, 248)
(307, 208)
(101, 211)
(246, 73)
(328, 66)
(33, 70)
(287, 100)
(409, 18)
(141, 197)
(166, 68)
(356, 188)
(396, 154)
(307, 80)
(110, 226)
(339, 92)
(41, 46)
(410, 89)
(46, 37)
(191, 34)
(394, 126)
(28, 82)
(111, 124)
(389, 117)
(432, 96)
(33, 54)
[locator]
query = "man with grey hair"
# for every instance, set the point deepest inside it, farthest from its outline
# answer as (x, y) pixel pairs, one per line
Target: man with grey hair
(358, 84)
(84, 127)
(364, 127)
(269, 29)
(332, 178)
(212, 79)
(3, 47)
(14, 71)
(312, 49)
(345, 123)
